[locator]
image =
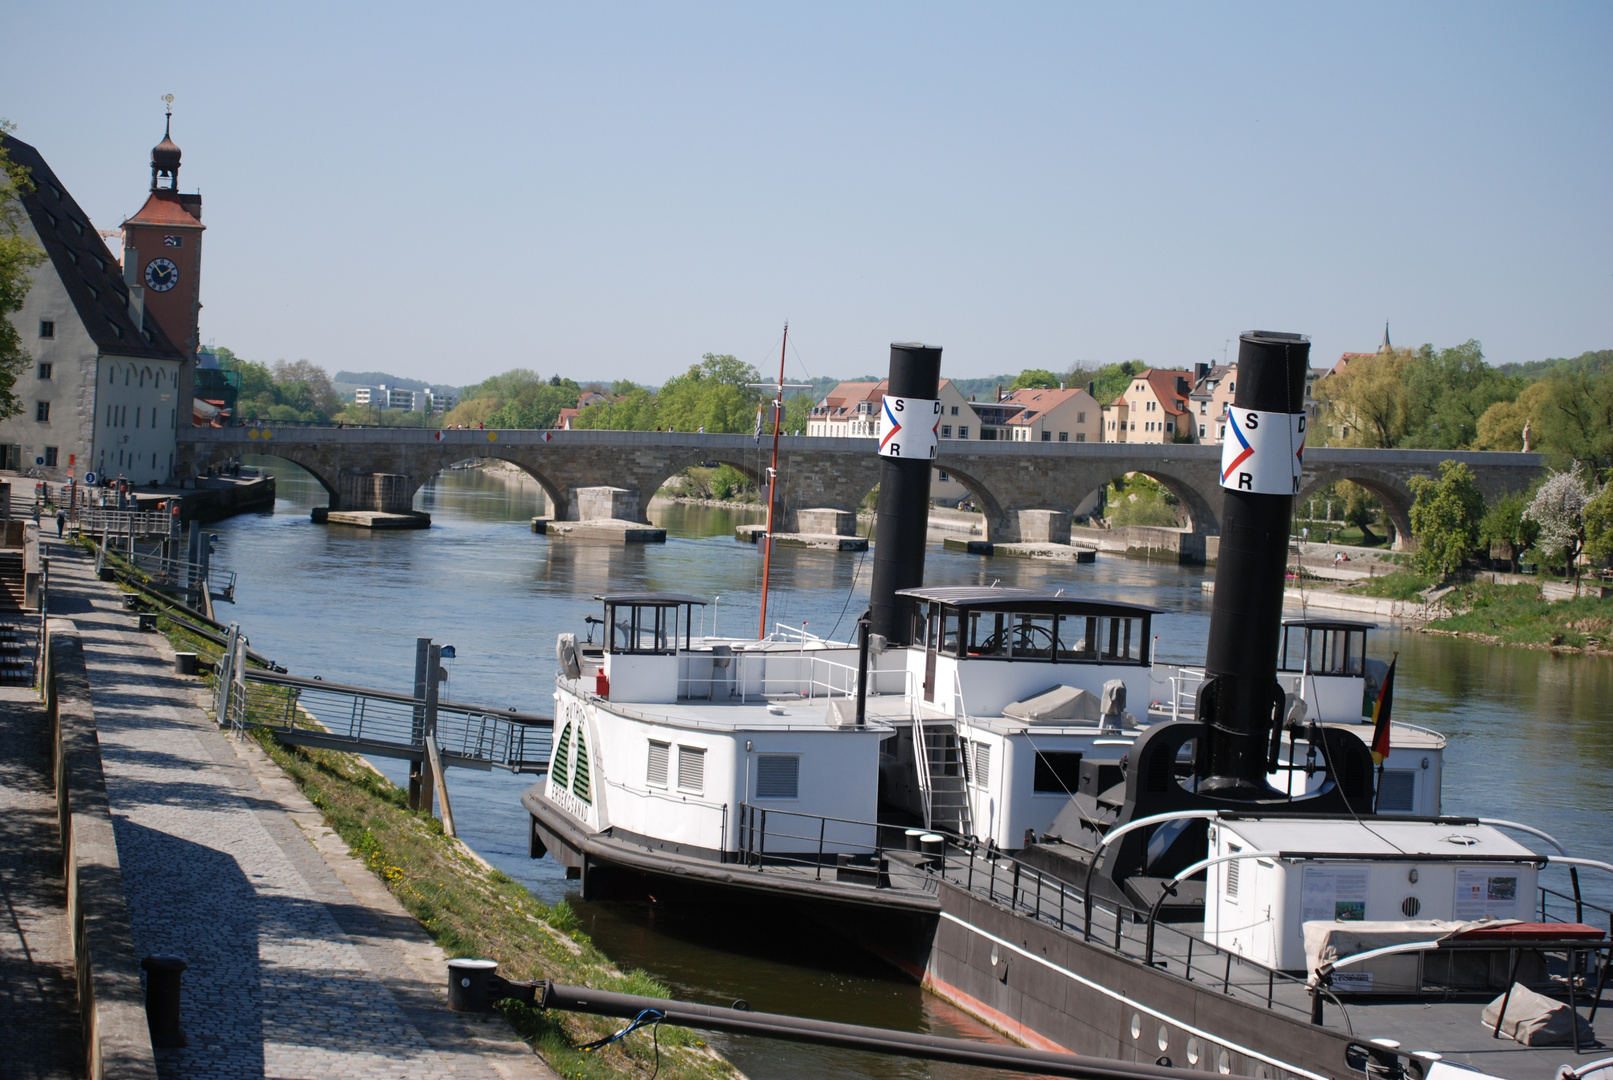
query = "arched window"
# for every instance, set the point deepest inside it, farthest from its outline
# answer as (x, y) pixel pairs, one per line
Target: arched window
(126, 374)
(159, 378)
(112, 374)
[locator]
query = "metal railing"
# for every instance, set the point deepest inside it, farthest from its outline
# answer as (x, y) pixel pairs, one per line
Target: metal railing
(756, 676)
(105, 520)
(1005, 879)
(854, 852)
(366, 720)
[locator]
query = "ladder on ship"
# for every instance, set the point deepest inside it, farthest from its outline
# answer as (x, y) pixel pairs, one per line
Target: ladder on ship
(943, 776)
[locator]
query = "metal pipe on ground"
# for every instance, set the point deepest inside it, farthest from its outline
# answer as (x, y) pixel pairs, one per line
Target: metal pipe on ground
(741, 1021)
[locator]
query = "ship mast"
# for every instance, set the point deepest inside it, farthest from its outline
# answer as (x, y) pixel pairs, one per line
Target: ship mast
(772, 482)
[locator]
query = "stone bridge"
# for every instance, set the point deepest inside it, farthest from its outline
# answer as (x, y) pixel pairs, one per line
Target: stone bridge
(1026, 490)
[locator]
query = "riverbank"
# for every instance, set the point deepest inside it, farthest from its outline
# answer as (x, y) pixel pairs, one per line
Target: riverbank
(423, 884)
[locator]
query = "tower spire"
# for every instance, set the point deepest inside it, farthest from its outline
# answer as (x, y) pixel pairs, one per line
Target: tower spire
(165, 155)
(1385, 346)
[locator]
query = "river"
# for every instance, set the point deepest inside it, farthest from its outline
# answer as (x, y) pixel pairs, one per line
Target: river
(1530, 731)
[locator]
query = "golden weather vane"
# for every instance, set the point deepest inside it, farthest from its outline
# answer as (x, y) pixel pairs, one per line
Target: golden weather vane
(168, 99)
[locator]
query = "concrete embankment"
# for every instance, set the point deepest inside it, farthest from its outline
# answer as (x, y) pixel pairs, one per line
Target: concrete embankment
(213, 498)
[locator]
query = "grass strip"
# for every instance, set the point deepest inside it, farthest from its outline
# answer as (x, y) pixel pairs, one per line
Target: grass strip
(1517, 615)
(1399, 585)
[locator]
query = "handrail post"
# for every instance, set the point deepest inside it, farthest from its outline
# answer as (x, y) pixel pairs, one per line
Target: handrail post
(822, 824)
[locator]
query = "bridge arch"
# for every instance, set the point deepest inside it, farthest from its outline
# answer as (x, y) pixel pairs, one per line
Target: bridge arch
(310, 467)
(552, 491)
(1389, 490)
(1202, 517)
(997, 522)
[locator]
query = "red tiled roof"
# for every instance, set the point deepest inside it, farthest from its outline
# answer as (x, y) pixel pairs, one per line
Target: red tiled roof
(168, 210)
(1162, 382)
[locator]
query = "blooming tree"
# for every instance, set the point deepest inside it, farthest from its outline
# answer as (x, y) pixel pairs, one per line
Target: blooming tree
(1559, 510)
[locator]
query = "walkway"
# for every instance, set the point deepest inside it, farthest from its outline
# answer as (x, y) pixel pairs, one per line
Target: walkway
(39, 1031)
(301, 963)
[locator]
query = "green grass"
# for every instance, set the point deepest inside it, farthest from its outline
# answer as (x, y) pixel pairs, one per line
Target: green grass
(1516, 615)
(1399, 585)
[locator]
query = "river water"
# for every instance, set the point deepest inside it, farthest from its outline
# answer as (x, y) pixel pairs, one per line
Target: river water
(1531, 733)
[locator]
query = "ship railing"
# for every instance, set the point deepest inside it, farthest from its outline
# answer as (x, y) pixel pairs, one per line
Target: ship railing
(1003, 878)
(335, 716)
(1184, 692)
(1576, 902)
(853, 852)
(758, 676)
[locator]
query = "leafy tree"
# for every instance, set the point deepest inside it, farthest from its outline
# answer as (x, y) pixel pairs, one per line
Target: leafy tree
(712, 394)
(1366, 403)
(1447, 391)
(797, 410)
(1599, 526)
(1505, 525)
(18, 256)
(1141, 500)
(306, 387)
(470, 413)
(634, 410)
(1559, 510)
(1577, 422)
(535, 405)
(1110, 380)
(1501, 425)
(1035, 378)
(505, 387)
(1445, 518)
(1360, 509)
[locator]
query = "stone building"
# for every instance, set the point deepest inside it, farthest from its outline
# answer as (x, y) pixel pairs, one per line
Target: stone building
(107, 385)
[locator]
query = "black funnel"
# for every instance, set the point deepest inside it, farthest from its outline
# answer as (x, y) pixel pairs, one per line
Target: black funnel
(911, 411)
(1239, 702)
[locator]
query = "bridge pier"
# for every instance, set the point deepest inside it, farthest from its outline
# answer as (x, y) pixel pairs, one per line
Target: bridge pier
(373, 501)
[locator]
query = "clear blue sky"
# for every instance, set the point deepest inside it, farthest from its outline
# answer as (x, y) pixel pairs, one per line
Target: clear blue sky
(448, 191)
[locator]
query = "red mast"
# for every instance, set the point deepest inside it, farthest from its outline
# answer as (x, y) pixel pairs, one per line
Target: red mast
(772, 481)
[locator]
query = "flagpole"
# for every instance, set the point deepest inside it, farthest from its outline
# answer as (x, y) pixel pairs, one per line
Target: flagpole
(772, 482)
(1380, 727)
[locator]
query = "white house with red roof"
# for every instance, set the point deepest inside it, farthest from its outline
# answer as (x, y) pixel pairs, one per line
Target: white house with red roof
(1153, 409)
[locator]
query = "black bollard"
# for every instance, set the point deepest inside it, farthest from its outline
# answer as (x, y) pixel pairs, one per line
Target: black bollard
(474, 985)
(162, 1000)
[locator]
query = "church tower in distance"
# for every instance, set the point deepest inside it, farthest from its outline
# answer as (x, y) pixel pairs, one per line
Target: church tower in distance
(162, 261)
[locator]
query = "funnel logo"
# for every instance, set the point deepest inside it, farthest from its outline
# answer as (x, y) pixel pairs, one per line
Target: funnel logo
(1264, 452)
(911, 426)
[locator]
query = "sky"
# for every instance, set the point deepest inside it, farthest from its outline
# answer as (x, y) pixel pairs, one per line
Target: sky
(608, 191)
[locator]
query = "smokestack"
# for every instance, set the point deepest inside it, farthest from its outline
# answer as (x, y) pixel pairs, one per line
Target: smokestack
(912, 411)
(1092, 389)
(1240, 702)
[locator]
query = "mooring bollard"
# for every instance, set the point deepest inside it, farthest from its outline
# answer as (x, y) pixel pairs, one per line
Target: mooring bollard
(185, 663)
(473, 986)
(148, 620)
(162, 1000)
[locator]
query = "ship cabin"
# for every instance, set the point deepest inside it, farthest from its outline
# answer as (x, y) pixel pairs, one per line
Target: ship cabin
(1018, 687)
(1325, 662)
(674, 741)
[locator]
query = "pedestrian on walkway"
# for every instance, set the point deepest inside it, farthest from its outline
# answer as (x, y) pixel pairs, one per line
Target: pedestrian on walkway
(61, 523)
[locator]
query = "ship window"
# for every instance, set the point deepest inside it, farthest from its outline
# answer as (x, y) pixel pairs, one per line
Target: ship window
(949, 631)
(986, 636)
(660, 759)
(1031, 637)
(1397, 791)
(691, 770)
(1121, 642)
(982, 764)
(561, 771)
(1078, 637)
(1058, 772)
(643, 628)
(1232, 872)
(581, 780)
(778, 776)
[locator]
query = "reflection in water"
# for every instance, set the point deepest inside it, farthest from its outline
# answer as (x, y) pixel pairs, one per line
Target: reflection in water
(1529, 734)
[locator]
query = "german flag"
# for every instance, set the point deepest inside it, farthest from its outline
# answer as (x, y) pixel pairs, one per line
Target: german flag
(1380, 715)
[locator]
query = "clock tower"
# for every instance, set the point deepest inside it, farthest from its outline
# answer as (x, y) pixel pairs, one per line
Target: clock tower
(162, 260)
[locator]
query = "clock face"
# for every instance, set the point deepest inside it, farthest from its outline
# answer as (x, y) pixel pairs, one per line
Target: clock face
(161, 275)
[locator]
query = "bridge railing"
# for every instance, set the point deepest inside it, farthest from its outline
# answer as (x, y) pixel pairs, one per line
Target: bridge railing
(366, 720)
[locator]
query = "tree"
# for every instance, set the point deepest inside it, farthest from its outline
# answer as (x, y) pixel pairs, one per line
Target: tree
(1360, 509)
(1447, 391)
(713, 394)
(634, 410)
(306, 386)
(535, 404)
(1109, 381)
(1599, 526)
(797, 411)
(18, 256)
(1501, 425)
(1505, 525)
(1559, 510)
(470, 413)
(1034, 379)
(1577, 421)
(1365, 404)
(1445, 518)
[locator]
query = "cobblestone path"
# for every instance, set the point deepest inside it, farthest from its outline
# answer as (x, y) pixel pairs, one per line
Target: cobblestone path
(301, 964)
(39, 1031)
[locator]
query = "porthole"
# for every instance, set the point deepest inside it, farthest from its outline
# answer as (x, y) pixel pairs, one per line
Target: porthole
(1193, 1051)
(1136, 1025)
(1223, 1062)
(1164, 1038)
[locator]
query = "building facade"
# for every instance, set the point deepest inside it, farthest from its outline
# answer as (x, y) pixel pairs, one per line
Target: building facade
(1153, 409)
(106, 389)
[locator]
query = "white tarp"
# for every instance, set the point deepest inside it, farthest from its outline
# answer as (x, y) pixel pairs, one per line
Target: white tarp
(1536, 1020)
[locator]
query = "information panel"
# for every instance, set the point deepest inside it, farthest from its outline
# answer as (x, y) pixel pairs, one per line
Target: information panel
(911, 425)
(1263, 452)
